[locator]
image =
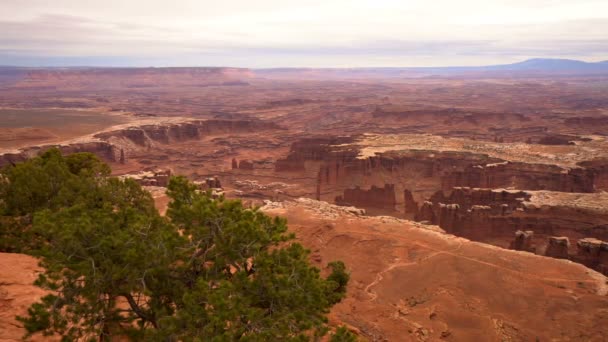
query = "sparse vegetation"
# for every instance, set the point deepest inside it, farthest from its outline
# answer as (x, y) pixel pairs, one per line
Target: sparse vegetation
(210, 270)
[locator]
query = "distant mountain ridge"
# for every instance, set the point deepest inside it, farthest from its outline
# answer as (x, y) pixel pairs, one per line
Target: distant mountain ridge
(555, 64)
(532, 67)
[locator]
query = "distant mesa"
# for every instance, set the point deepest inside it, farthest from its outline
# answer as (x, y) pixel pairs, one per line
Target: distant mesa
(133, 77)
(552, 64)
(78, 78)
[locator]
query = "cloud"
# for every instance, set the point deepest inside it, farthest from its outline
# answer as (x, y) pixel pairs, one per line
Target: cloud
(304, 33)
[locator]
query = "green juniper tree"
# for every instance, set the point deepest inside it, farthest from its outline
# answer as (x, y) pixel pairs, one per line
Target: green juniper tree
(211, 270)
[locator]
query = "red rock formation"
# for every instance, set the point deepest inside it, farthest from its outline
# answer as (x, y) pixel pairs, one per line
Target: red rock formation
(521, 176)
(235, 164)
(492, 215)
(337, 166)
(593, 253)
(162, 177)
(556, 139)
(375, 197)
(523, 241)
(497, 220)
(474, 213)
(558, 247)
(114, 145)
(589, 124)
(151, 178)
(147, 135)
(599, 169)
(314, 149)
(245, 165)
(210, 183)
(494, 198)
(448, 215)
(410, 206)
(449, 116)
(104, 150)
(426, 213)
(213, 182)
(406, 280)
(474, 209)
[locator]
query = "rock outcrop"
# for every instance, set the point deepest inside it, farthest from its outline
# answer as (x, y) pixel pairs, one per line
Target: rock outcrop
(593, 253)
(316, 149)
(468, 194)
(474, 213)
(149, 135)
(416, 284)
(410, 206)
(338, 165)
(494, 215)
(375, 197)
(522, 176)
(213, 183)
(523, 241)
(151, 178)
(118, 145)
(104, 150)
(245, 165)
(426, 213)
(599, 169)
(558, 247)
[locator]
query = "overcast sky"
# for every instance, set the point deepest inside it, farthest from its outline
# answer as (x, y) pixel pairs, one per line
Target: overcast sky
(281, 33)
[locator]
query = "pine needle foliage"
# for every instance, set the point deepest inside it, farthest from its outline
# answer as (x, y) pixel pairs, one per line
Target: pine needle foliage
(210, 270)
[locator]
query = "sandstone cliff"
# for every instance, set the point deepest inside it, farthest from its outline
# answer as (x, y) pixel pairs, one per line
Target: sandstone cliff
(118, 145)
(409, 283)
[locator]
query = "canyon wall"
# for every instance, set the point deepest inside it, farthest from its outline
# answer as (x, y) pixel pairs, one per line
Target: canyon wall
(526, 176)
(102, 149)
(599, 169)
(592, 253)
(481, 214)
(148, 135)
(337, 167)
(467, 194)
(375, 197)
(510, 220)
(116, 146)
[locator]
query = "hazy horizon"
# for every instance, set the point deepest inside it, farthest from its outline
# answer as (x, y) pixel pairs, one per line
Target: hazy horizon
(272, 33)
(284, 67)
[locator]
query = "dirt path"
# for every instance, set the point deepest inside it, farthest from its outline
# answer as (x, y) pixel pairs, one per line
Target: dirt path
(598, 279)
(380, 275)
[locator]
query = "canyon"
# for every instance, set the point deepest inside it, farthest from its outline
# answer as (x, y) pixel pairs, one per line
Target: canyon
(469, 206)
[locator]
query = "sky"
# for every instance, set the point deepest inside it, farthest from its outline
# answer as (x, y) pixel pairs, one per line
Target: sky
(285, 33)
